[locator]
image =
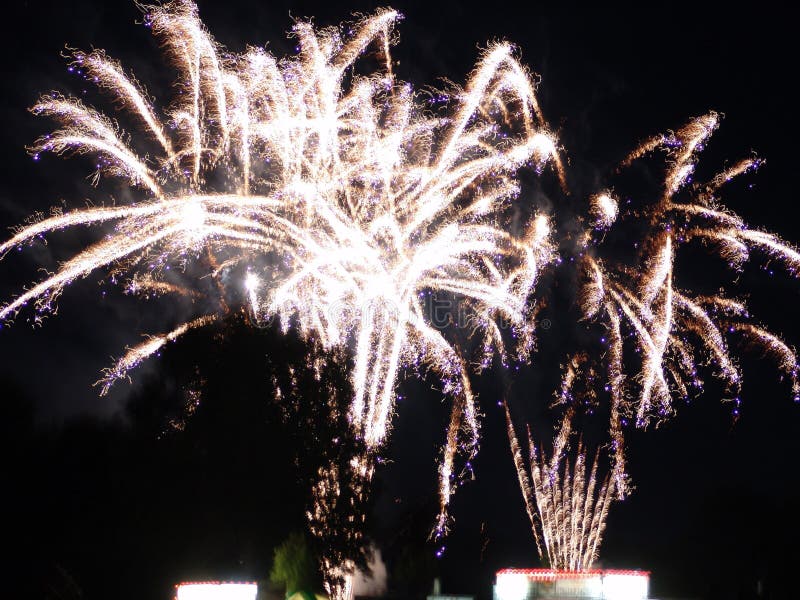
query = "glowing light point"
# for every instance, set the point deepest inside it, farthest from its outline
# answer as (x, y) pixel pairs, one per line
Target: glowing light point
(544, 146)
(251, 282)
(541, 229)
(251, 285)
(604, 209)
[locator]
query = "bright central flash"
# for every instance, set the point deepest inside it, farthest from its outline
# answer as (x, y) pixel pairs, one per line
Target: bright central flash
(193, 220)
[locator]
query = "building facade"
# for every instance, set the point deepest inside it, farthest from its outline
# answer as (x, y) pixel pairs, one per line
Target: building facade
(550, 584)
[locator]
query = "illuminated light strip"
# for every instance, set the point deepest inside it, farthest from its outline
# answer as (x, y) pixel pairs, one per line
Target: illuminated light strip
(551, 574)
(221, 582)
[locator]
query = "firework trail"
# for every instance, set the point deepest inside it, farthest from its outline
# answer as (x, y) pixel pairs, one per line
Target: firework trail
(567, 510)
(345, 202)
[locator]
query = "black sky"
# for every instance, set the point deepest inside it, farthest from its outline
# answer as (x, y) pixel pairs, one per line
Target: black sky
(716, 503)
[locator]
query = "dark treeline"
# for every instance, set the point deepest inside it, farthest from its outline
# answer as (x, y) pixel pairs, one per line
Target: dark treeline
(129, 506)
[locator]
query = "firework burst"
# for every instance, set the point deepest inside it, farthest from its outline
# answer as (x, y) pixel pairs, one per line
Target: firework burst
(672, 332)
(340, 202)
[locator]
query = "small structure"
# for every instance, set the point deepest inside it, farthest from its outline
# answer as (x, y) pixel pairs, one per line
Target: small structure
(216, 590)
(436, 594)
(551, 584)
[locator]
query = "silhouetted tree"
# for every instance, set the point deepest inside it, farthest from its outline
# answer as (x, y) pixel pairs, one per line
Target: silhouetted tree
(294, 566)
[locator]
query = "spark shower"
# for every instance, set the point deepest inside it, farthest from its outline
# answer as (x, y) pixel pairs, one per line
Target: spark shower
(339, 201)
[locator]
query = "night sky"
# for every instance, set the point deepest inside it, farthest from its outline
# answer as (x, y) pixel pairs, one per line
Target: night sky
(102, 498)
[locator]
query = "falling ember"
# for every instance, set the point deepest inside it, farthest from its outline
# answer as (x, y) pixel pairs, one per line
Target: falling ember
(137, 354)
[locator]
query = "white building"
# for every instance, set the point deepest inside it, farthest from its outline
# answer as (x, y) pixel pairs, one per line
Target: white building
(547, 584)
(216, 590)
